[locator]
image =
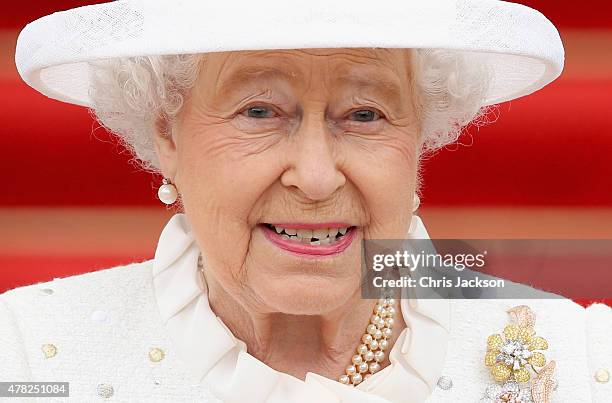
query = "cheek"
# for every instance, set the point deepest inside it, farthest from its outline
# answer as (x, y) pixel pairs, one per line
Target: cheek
(220, 182)
(384, 173)
(227, 172)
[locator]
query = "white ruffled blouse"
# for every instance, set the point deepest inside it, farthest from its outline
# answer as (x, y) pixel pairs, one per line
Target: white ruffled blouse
(221, 361)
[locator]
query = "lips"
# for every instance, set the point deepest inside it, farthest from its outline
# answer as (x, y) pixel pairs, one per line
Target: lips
(310, 240)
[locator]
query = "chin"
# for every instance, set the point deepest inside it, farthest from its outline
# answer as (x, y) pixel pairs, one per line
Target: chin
(306, 294)
(292, 282)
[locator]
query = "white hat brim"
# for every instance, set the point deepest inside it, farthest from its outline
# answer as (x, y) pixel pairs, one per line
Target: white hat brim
(521, 47)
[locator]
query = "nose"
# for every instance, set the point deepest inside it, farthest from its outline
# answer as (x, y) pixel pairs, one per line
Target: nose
(313, 165)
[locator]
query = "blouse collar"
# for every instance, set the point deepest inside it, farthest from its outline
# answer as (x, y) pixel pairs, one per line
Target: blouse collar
(214, 356)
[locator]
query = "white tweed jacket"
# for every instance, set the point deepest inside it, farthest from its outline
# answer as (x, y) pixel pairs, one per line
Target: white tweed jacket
(93, 351)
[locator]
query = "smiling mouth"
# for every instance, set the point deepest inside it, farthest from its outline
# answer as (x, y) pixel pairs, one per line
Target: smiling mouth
(313, 237)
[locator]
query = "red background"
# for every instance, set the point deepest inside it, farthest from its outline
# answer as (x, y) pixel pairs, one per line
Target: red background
(546, 152)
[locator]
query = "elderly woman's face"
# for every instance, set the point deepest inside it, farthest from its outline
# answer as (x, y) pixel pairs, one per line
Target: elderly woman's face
(311, 142)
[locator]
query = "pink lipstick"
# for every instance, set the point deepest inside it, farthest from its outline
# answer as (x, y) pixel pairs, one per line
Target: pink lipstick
(314, 240)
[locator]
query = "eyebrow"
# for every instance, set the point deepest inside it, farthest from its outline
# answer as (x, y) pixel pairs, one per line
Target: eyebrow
(382, 84)
(248, 74)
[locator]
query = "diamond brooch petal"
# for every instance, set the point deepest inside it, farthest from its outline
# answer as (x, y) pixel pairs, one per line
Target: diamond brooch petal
(516, 361)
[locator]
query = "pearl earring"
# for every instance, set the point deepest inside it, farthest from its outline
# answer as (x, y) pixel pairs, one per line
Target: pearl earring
(167, 192)
(416, 202)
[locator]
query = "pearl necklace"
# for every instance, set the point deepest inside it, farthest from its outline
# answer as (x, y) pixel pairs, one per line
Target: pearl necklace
(371, 352)
(374, 342)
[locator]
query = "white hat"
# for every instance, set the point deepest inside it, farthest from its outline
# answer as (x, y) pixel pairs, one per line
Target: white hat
(521, 47)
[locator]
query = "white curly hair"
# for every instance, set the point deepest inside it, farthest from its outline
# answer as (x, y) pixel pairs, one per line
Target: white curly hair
(131, 94)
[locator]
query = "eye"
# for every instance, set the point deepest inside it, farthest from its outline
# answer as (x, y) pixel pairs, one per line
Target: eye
(365, 115)
(259, 112)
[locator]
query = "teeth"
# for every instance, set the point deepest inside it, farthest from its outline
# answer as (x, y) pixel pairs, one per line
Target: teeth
(320, 233)
(304, 233)
(321, 236)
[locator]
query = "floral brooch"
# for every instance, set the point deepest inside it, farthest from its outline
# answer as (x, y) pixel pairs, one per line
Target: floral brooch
(513, 356)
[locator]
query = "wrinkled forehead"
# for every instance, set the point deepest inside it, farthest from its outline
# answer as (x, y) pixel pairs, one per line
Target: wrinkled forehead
(384, 69)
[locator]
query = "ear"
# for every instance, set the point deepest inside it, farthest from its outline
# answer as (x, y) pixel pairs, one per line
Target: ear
(165, 148)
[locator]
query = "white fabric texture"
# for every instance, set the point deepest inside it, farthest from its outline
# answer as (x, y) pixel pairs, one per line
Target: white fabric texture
(140, 313)
(599, 348)
(521, 48)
